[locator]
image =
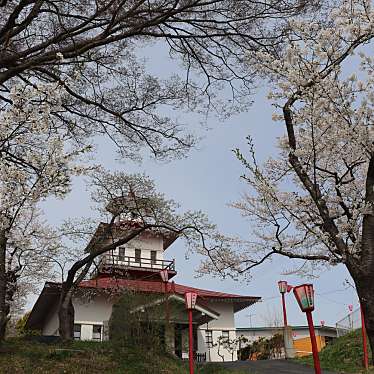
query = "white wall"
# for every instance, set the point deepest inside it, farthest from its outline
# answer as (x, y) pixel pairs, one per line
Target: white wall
(87, 313)
(50, 327)
(225, 322)
(98, 309)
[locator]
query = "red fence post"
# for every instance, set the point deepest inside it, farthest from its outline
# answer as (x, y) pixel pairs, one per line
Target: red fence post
(364, 342)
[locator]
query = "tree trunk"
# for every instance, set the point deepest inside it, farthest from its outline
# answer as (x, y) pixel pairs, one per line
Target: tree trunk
(4, 307)
(362, 266)
(365, 291)
(362, 272)
(66, 315)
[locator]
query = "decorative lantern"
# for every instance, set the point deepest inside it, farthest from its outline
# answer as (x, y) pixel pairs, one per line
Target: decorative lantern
(190, 299)
(164, 274)
(305, 297)
(282, 286)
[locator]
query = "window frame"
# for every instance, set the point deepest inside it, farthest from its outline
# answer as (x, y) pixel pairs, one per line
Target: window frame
(100, 332)
(209, 338)
(76, 331)
(225, 338)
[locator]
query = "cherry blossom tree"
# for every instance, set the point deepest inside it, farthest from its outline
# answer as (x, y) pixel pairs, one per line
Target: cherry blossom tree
(314, 201)
(94, 49)
(36, 163)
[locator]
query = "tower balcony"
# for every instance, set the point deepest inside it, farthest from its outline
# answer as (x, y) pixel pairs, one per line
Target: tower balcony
(133, 266)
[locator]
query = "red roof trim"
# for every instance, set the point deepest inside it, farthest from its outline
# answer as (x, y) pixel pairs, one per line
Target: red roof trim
(158, 287)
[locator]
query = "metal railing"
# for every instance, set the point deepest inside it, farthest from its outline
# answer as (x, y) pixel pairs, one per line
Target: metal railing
(349, 323)
(200, 357)
(197, 356)
(138, 262)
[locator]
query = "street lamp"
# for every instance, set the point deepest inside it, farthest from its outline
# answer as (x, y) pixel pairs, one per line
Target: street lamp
(305, 298)
(164, 274)
(190, 300)
(289, 351)
(283, 288)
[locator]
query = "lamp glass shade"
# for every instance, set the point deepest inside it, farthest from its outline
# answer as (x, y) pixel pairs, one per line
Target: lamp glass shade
(190, 299)
(305, 297)
(282, 286)
(164, 275)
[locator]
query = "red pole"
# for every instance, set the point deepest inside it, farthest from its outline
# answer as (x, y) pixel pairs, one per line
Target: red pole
(365, 347)
(284, 310)
(190, 352)
(167, 302)
(317, 366)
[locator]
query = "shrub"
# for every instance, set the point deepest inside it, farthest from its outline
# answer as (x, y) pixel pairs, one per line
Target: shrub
(138, 319)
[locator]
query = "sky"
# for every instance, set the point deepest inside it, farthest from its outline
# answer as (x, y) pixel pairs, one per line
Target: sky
(208, 179)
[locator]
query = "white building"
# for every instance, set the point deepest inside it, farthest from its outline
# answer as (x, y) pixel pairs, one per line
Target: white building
(136, 267)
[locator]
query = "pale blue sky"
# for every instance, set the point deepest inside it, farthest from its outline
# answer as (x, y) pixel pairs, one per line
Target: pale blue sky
(207, 180)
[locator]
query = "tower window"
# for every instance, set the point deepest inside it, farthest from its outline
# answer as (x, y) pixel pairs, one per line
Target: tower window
(153, 257)
(138, 255)
(121, 253)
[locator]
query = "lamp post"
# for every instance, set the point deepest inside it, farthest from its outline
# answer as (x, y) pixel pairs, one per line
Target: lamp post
(164, 274)
(190, 300)
(289, 351)
(350, 309)
(305, 298)
(165, 278)
(283, 288)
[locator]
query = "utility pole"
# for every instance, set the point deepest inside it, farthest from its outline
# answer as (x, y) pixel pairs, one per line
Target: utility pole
(250, 318)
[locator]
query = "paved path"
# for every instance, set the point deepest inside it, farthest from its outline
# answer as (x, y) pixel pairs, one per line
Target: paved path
(272, 367)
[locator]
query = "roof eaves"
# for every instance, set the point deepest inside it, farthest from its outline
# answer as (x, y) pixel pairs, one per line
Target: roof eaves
(49, 292)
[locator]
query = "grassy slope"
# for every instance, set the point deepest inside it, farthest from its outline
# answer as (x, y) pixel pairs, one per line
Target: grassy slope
(18, 356)
(343, 356)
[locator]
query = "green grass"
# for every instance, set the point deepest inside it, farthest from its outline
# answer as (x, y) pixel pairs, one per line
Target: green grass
(27, 357)
(344, 355)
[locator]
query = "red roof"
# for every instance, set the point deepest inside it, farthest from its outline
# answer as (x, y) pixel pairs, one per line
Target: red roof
(157, 287)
